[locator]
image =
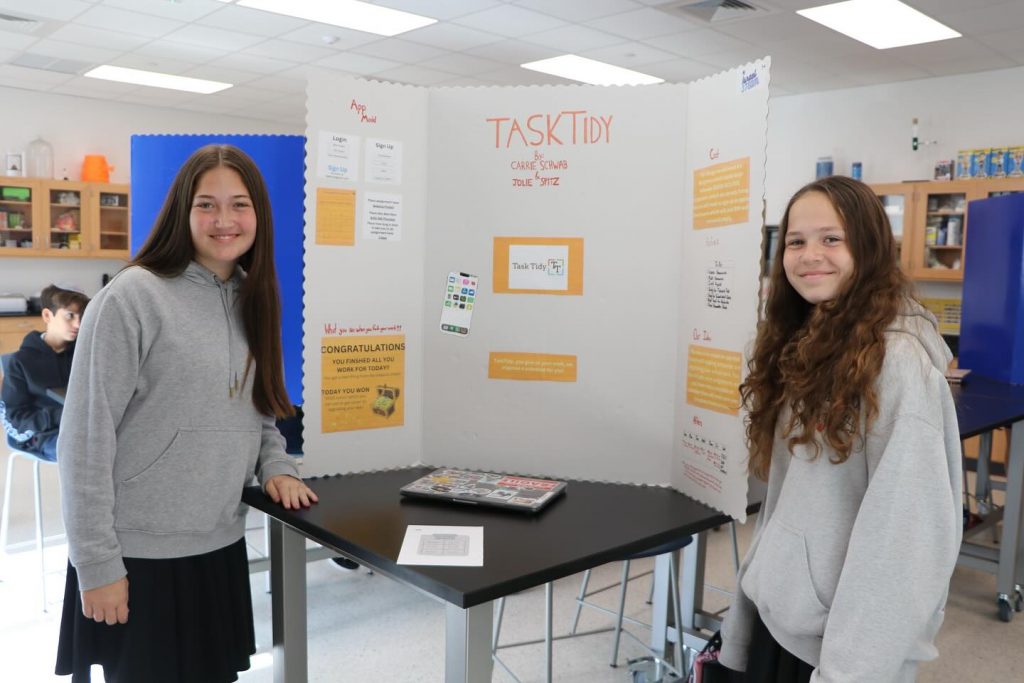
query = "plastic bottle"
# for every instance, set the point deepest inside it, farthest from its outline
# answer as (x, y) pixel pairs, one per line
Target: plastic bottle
(40, 159)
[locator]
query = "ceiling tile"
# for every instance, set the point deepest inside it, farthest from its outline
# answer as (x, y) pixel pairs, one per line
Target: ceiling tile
(451, 37)
(629, 55)
(196, 34)
(462, 64)
(254, 63)
(335, 37)
(642, 23)
(892, 74)
(975, 64)
(167, 49)
(414, 75)
(509, 21)
(17, 41)
(398, 50)
(728, 59)
(781, 26)
(64, 10)
(247, 20)
(179, 11)
(573, 39)
(95, 88)
(513, 52)
(83, 53)
(969, 20)
(580, 11)
(291, 51)
(356, 64)
(292, 86)
(696, 43)
(35, 79)
(146, 63)
(136, 23)
(680, 70)
(98, 37)
(958, 49)
(215, 72)
(158, 97)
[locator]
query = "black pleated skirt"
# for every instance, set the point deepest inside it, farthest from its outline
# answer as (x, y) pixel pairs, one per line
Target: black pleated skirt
(768, 662)
(190, 621)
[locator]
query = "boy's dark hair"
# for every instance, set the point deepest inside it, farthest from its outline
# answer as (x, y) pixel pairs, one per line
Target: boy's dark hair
(54, 298)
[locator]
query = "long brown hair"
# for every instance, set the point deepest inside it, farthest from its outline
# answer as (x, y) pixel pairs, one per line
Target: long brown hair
(169, 249)
(821, 361)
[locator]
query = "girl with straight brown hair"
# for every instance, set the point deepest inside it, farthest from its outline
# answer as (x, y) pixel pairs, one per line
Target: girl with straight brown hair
(852, 423)
(170, 411)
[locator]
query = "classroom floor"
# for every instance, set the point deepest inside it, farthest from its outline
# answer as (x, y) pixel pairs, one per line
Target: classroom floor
(365, 627)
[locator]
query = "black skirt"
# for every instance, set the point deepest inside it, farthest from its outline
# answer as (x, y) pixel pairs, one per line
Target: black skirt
(190, 621)
(768, 662)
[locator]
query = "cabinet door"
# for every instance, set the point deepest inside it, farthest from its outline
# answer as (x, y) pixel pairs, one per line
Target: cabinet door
(940, 224)
(110, 207)
(64, 218)
(17, 218)
(898, 200)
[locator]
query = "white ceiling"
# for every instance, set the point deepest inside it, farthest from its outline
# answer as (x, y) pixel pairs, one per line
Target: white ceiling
(475, 42)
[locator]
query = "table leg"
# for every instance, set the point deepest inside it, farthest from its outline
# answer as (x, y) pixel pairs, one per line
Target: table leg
(660, 605)
(692, 588)
(288, 603)
(1010, 546)
(467, 643)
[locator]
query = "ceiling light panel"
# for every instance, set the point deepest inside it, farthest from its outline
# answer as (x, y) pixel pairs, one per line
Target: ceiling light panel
(154, 79)
(360, 16)
(576, 68)
(882, 24)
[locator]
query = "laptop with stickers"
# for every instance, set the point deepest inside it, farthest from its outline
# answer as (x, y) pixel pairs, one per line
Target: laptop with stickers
(525, 494)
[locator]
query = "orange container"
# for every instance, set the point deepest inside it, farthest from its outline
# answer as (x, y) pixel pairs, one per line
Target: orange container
(95, 169)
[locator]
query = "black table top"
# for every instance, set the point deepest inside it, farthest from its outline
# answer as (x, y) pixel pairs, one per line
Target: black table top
(982, 404)
(364, 516)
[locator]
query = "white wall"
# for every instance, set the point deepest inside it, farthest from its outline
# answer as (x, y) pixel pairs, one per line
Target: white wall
(873, 125)
(77, 126)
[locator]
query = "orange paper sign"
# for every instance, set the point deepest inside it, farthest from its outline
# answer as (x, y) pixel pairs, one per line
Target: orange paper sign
(721, 194)
(713, 379)
(532, 366)
(335, 217)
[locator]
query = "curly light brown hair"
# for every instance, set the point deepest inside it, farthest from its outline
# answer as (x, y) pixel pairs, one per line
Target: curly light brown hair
(822, 360)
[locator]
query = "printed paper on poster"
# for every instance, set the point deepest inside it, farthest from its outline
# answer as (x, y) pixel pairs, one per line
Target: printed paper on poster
(338, 156)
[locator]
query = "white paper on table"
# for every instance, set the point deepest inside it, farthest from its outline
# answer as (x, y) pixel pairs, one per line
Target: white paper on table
(443, 546)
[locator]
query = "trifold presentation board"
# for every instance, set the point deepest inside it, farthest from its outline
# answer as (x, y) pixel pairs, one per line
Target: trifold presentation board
(557, 281)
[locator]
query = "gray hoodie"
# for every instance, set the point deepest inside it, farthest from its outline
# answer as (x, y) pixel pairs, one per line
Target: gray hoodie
(849, 566)
(159, 432)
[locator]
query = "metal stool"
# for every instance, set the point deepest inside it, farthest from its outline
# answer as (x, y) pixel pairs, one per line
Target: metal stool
(581, 601)
(36, 462)
(548, 638)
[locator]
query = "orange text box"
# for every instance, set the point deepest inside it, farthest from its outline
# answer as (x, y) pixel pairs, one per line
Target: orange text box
(713, 379)
(721, 194)
(362, 382)
(532, 366)
(574, 279)
(335, 217)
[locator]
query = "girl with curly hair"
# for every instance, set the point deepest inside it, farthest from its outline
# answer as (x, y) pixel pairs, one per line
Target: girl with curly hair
(852, 423)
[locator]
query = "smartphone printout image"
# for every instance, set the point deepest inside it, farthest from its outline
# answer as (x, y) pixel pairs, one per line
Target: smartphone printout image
(459, 300)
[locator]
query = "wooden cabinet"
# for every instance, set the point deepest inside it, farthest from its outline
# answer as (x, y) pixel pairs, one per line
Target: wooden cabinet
(14, 328)
(933, 222)
(63, 219)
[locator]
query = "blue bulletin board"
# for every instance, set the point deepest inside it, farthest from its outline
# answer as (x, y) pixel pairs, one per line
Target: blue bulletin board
(281, 159)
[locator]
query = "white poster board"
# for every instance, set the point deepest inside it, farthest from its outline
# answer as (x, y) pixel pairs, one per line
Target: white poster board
(570, 208)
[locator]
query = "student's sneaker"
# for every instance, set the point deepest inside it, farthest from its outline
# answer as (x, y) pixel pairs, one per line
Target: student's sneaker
(344, 563)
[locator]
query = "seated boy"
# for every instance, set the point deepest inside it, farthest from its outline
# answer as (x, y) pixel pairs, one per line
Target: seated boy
(43, 362)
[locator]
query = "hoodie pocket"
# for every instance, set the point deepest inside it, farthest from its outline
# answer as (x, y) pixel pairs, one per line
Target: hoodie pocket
(779, 582)
(193, 487)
